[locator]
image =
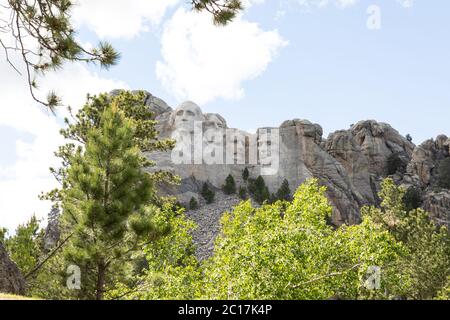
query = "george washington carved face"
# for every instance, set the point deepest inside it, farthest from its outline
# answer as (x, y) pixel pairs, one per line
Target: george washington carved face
(185, 115)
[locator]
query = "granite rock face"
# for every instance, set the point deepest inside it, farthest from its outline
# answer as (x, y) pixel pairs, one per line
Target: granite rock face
(425, 160)
(378, 141)
(350, 163)
(438, 205)
(11, 279)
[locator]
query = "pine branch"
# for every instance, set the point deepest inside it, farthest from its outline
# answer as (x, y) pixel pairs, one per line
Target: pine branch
(40, 264)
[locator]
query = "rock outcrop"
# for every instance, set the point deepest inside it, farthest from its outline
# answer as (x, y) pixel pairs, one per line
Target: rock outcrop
(438, 205)
(11, 279)
(425, 160)
(350, 163)
(52, 231)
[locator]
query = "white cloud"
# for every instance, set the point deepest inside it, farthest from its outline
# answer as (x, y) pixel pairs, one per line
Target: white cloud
(23, 181)
(406, 3)
(346, 3)
(202, 62)
(339, 3)
(324, 3)
(120, 18)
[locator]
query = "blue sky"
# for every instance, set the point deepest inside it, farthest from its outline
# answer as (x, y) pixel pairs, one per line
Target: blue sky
(310, 59)
(334, 71)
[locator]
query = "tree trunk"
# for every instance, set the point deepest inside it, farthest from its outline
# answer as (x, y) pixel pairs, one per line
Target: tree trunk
(100, 281)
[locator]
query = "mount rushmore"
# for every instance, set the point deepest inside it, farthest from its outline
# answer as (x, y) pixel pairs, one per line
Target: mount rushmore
(350, 163)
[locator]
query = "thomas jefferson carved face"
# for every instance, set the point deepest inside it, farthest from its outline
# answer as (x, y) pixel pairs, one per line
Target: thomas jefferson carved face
(215, 121)
(185, 115)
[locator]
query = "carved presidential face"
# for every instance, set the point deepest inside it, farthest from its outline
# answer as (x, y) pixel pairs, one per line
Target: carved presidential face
(236, 141)
(214, 129)
(185, 115)
(215, 121)
(268, 147)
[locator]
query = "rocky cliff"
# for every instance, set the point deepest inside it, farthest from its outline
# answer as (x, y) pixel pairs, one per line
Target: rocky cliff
(11, 279)
(350, 163)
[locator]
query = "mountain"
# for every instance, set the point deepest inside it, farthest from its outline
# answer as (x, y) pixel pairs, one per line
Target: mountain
(351, 163)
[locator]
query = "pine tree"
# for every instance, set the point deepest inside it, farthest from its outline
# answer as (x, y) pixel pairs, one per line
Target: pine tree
(193, 204)
(25, 245)
(207, 193)
(261, 192)
(223, 11)
(78, 134)
(230, 185)
(284, 192)
(145, 136)
(104, 203)
(245, 174)
(272, 198)
(243, 193)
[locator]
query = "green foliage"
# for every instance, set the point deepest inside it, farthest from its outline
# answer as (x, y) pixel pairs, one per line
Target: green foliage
(394, 164)
(50, 281)
(242, 193)
(444, 174)
(245, 174)
(223, 11)
(259, 190)
(106, 203)
(3, 235)
(287, 250)
(274, 252)
(426, 264)
(173, 271)
(193, 204)
(230, 185)
(412, 198)
(284, 192)
(207, 193)
(26, 249)
(444, 294)
(145, 136)
(104, 191)
(24, 246)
